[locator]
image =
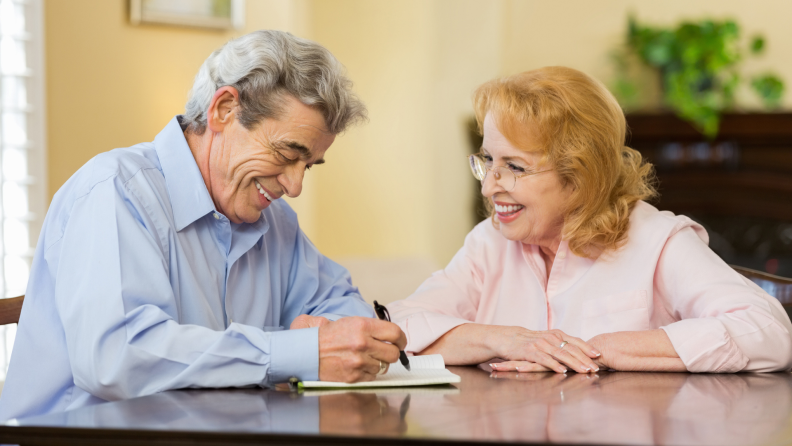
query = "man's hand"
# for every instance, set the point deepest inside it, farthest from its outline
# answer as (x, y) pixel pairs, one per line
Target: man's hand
(637, 351)
(306, 321)
(351, 348)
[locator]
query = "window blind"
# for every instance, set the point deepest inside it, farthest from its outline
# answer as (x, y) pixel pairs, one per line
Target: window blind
(23, 197)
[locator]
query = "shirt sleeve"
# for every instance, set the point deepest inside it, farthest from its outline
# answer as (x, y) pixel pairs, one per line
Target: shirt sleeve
(447, 299)
(727, 323)
(120, 315)
(320, 287)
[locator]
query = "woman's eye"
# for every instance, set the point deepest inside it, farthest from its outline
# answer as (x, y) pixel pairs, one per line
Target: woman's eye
(515, 168)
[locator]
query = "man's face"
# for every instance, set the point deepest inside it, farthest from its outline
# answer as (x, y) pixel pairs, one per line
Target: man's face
(248, 169)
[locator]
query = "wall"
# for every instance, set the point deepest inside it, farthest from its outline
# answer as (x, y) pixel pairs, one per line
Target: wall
(399, 185)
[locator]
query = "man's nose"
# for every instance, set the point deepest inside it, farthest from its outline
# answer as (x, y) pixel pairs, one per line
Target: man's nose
(291, 179)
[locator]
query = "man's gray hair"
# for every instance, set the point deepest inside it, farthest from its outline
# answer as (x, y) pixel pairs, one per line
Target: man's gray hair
(267, 66)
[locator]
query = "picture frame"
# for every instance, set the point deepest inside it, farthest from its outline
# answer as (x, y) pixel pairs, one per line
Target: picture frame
(212, 14)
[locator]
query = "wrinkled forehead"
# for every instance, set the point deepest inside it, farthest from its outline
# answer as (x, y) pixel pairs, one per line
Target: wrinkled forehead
(294, 134)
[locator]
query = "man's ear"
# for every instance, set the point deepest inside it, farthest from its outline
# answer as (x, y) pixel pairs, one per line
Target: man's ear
(223, 108)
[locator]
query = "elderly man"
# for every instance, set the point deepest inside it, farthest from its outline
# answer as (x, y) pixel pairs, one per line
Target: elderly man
(174, 264)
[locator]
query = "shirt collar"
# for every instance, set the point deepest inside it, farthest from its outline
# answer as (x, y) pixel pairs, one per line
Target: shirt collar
(189, 197)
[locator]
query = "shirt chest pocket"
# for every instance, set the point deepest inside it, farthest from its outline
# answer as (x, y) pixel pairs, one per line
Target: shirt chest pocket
(618, 312)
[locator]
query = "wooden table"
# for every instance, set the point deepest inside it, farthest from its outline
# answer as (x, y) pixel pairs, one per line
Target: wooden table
(609, 408)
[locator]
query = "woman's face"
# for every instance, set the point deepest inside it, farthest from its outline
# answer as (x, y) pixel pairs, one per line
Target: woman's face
(532, 211)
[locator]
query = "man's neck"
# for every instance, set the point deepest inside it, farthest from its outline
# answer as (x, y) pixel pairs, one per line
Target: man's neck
(201, 148)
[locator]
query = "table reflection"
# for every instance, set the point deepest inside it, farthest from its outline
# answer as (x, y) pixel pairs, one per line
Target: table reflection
(609, 408)
(619, 408)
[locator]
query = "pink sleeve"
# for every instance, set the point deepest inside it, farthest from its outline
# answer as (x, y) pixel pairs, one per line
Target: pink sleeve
(447, 299)
(727, 324)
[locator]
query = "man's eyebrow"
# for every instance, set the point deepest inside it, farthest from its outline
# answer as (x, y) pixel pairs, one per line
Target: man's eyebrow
(305, 152)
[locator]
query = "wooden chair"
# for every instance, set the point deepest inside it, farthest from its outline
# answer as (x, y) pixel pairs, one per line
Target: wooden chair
(776, 286)
(10, 309)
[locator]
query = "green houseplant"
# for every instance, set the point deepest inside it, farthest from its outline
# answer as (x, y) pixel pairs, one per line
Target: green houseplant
(698, 66)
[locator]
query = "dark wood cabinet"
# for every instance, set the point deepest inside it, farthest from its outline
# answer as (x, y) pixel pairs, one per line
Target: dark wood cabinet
(738, 185)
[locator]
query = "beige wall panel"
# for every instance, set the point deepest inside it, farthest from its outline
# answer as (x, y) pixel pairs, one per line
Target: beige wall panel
(400, 185)
(372, 196)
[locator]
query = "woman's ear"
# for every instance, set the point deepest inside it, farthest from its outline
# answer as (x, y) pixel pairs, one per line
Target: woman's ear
(223, 108)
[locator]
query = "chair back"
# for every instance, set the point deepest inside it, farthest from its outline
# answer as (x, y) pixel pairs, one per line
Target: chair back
(776, 286)
(10, 308)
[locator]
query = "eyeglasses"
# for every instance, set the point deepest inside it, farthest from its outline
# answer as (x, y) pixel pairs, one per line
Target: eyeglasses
(505, 177)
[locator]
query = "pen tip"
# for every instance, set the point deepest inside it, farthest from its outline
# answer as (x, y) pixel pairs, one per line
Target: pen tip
(407, 366)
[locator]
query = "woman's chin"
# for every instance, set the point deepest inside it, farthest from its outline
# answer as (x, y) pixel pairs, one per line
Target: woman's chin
(511, 235)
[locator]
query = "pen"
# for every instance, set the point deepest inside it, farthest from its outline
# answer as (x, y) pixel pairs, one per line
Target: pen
(384, 315)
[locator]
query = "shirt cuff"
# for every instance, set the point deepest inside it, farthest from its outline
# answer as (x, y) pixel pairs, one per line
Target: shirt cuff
(331, 316)
(704, 345)
(294, 353)
(423, 329)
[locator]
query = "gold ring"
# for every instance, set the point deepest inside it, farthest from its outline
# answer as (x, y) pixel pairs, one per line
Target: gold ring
(563, 344)
(383, 367)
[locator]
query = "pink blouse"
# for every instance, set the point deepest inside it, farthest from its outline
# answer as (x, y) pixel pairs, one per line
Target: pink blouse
(664, 277)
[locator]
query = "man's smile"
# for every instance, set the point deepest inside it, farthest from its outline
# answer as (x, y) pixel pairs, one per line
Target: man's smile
(263, 191)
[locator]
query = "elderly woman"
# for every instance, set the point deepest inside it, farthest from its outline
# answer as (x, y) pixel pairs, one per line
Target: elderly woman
(573, 253)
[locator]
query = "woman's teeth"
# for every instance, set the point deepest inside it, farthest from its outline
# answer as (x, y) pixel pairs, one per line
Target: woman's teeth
(262, 191)
(509, 209)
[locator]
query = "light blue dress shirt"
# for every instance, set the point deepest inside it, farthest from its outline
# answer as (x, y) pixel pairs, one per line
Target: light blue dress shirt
(138, 286)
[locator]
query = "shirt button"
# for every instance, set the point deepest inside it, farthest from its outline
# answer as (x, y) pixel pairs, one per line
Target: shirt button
(216, 216)
(561, 255)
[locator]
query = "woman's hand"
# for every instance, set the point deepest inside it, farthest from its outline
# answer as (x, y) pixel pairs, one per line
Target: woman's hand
(637, 351)
(523, 349)
(541, 351)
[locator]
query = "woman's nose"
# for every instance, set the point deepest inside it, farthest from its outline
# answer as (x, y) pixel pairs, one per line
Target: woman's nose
(490, 186)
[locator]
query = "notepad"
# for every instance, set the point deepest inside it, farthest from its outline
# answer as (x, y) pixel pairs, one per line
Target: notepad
(426, 370)
(414, 391)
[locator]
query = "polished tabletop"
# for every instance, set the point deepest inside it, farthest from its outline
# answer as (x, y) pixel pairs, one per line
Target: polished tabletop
(608, 408)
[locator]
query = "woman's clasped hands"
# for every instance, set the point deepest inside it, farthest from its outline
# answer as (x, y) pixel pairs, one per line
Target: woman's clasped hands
(542, 351)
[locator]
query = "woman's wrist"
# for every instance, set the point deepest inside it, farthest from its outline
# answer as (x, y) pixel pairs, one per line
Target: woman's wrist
(496, 340)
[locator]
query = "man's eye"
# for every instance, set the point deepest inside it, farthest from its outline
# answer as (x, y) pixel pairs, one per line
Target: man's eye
(515, 168)
(284, 158)
(308, 167)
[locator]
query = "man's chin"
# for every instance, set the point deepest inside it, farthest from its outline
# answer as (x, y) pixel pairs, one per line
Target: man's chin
(251, 216)
(265, 204)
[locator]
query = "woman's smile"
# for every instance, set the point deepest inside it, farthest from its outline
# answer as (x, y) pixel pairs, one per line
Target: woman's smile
(508, 212)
